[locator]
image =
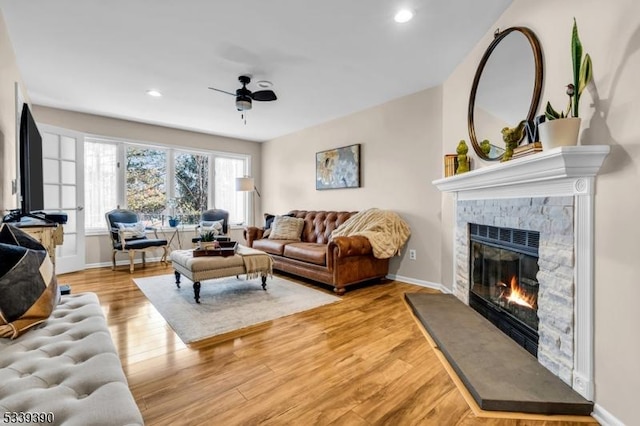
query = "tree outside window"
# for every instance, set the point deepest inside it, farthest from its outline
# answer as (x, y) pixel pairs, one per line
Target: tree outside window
(191, 186)
(145, 176)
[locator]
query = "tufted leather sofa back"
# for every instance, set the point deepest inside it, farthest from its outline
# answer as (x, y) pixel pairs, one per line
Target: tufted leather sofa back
(318, 225)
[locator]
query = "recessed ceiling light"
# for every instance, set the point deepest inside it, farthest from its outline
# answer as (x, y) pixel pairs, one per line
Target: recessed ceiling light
(404, 15)
(264, 84)
(154, 93)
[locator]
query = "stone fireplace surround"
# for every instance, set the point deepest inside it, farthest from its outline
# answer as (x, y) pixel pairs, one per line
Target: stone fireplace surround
(553, 193)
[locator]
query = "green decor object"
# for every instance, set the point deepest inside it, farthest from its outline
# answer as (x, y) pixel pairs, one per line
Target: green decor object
(207, 236)
(485, 146)
(511, 137)
(582, 76)
(463, 164)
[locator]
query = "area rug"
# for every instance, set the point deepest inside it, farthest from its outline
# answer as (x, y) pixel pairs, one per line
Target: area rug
(227, 304)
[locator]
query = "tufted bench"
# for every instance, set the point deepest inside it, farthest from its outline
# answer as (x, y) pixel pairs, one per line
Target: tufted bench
(68, 367)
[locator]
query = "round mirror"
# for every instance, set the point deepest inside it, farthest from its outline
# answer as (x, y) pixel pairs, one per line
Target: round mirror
(506, 89)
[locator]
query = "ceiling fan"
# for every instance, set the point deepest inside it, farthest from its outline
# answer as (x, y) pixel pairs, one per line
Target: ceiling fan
(244, 96)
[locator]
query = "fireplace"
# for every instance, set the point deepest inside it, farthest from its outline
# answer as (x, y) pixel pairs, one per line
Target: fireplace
(503, 284)
(552, 193)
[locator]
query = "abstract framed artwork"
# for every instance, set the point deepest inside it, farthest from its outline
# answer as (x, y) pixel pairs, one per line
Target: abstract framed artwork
(338, 168)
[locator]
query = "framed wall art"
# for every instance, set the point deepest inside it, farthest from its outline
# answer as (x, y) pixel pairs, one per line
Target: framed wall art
(338, 168)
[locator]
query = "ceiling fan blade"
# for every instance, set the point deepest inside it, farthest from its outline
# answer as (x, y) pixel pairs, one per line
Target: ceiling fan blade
(222, 91)
(264, 95)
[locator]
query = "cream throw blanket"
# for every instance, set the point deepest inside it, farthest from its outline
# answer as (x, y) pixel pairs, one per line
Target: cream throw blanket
(386, 231)
(256, 262)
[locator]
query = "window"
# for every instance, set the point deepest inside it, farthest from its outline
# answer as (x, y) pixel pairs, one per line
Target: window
(145, 178)
(227, 170)
(159, 182)
(101, 175)
(191, 191)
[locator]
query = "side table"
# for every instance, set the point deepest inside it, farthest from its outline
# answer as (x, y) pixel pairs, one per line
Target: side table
(175, 236)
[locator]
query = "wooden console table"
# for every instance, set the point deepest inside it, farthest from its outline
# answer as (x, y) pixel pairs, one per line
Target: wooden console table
(49, 235)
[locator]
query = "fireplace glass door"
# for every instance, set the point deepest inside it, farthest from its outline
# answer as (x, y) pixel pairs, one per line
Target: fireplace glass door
(508, 280)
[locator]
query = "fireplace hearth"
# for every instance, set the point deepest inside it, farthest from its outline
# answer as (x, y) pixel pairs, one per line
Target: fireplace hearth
(502, 273)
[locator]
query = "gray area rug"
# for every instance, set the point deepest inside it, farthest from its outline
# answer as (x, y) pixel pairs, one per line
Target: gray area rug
(226, 304)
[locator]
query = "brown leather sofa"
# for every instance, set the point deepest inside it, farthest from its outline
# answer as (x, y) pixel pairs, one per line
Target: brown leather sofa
(340, 262)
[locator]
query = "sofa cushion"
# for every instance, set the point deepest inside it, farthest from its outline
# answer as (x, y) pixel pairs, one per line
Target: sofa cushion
(286, 228)
(272, 246)
(307, 252)
(268, 220)
(214, 226)
(133, 230)
(28, 285)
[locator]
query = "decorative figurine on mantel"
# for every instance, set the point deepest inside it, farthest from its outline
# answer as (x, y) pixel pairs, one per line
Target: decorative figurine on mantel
(463, 164)
(511, 137)
(485, 147)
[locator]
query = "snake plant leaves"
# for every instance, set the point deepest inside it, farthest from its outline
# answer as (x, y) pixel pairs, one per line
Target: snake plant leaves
(551, 113)
(586, 73)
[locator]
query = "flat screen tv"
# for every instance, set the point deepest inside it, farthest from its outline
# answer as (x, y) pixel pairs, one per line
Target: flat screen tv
(31, 179)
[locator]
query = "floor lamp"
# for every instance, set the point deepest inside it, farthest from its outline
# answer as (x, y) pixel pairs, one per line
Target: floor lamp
(247, 184)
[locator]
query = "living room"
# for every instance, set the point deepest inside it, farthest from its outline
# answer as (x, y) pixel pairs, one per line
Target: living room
(403, 142)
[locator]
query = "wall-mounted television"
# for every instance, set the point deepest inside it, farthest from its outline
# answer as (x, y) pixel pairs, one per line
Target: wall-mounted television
(31, 178)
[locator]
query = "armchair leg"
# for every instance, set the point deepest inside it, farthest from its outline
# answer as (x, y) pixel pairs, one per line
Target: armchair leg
(131, 255)
(113, 260)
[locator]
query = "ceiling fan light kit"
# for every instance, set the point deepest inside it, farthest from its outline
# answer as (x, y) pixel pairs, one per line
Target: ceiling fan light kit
(245, 97)
(243, 103)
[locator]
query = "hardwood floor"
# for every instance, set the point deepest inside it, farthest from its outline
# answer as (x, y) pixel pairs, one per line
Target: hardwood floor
(360, 361)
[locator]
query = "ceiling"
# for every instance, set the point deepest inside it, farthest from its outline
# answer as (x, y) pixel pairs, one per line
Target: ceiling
(326, 59)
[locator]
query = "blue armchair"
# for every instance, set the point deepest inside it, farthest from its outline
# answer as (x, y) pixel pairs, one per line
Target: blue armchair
(128, 235)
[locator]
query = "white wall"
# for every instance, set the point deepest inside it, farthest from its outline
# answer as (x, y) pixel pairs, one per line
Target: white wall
(400, 155)
(9, 74)
(610, 33)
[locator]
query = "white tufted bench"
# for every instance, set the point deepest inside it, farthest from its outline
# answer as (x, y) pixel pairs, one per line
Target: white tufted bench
(68, 366)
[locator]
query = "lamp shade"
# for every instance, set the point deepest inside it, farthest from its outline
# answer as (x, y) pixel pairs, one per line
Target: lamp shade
(244, 184)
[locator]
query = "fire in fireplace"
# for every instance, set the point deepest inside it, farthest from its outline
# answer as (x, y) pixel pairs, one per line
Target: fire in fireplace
(504, 288)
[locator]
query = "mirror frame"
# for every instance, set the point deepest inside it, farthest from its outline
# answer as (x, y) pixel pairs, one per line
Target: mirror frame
(537, 89)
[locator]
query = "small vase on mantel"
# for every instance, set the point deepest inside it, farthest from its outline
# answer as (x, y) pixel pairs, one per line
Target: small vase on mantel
(559, 132)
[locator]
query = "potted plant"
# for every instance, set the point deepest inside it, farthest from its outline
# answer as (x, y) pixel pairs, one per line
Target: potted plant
(174, 221)
(208, 240)
(562, 128)
(173, 218)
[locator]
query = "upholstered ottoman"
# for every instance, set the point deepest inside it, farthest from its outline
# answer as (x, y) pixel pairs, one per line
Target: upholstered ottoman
(247, 261)
(66, 371)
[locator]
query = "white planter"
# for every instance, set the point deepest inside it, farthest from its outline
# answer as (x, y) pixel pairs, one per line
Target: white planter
(559, 132)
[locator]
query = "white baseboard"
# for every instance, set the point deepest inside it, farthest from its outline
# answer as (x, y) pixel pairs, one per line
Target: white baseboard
(604, 417)
(421, 283)
(121, 262)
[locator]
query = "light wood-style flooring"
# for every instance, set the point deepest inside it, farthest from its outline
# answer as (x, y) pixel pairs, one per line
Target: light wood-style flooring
(361, 361)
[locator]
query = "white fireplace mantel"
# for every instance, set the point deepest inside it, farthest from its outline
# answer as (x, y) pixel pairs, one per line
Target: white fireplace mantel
(560, 171)
(564, 171)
